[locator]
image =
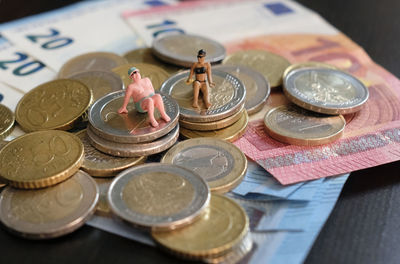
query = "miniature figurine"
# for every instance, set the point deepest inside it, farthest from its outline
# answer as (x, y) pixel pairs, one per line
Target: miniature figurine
(201, 68)
(144, 97)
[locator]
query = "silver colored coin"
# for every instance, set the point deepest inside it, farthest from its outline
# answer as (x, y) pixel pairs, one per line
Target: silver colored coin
(49, 212)
(133, 127)
(170, 49)
(325, 90)
(100, 82)
(158, 196)
(257, 86)
(227, 97)
(133, 150)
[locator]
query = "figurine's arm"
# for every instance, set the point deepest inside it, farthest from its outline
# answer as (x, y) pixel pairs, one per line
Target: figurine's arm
(209, 75)
(189, 80)
(128, 94)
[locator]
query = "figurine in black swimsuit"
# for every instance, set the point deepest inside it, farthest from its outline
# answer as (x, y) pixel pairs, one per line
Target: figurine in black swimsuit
(201, 69)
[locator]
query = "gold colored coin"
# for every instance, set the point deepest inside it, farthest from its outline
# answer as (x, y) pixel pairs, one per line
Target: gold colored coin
(221, 164)
(53, 105)
(156, 74)
(145, 55)
(268, 64)
(214, 125)
(103, 184)
(221, 227)
(40, 159)
(93, 61)
(2, 144)
(294, 125)
(7, 120)
(98, 164)
(230, 133)
(307, 64)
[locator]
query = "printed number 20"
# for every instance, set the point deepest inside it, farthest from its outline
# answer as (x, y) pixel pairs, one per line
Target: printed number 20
(53, 40)
(24, 69)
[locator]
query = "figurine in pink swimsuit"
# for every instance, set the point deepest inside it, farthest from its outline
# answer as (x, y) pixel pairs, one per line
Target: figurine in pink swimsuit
(144, 97)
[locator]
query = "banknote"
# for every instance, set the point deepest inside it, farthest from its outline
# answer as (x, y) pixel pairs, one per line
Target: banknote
(9, 96)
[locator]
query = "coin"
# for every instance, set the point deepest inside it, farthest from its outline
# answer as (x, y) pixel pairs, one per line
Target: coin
(49, 212)
(53, 105)
(7, 120)
(145, 55)
(220, 228)
(156, 74)
(103, 208)
(308, 64)
(2, 144)
(169, 48)
(133, 127)
(158, 196)
(131, 149)
(294, 125)
(98, 164)
(325, 91)
(219, 124)
(269, 64)
(40, 159)
(257, 87)
(100, 82)
(93, 61)
(227, 97)
(230, 133)
(221, 164)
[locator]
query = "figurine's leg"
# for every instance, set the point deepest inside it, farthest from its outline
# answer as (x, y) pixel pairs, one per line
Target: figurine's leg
(159, 104)
(196, 88)
(148, 105)
(204, 90)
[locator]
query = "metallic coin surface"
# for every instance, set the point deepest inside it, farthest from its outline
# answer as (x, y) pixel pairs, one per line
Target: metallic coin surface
(98, 164)
(145, 55)
(7, 120)
(308, 64)
(219, 124)
(325, 91)
(100, 82)
(2, 144)
(49, 212)
(156, 74)
(93, 61)
(221, 164)
(227, 97)
(132, 149)
(53, 105)
(169, 48)
(294, 125)
(230, 133)
(103, 208)
(158, 196)
(269, 64)
(133, 127)
(221, 228)
(40, 159)
(257, 87)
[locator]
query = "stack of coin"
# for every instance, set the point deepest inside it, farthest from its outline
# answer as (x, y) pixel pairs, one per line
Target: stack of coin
(225, 119)
(130, 135)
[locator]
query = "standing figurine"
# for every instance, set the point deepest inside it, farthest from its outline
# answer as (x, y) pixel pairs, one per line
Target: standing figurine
(201, 68)
(144, 97)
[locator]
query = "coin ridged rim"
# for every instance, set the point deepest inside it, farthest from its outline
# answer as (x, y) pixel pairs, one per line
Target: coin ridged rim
(166, 55)
(60, 227)
(64, 126)
(49, 180)
(308, 64)
(111, 170)
(213, 252)
(255, 104)
(209, 115)
(100, 128)
(229, 181)
(187, 133)
(161, 223)
(316, 107)
(301, 141)
(133, 150)
(7, 130)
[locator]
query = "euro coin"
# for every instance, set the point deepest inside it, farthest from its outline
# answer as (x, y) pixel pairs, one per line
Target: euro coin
(308, 64)
(7, 120)
(103, 208)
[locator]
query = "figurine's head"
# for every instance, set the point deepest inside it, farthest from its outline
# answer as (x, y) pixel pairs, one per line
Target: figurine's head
(134, 73)
(201, 54)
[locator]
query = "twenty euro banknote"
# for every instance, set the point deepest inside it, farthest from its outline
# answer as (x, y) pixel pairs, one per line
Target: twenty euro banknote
(372, 135)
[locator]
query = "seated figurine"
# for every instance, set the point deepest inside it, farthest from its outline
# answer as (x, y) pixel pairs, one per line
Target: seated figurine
(144, 97)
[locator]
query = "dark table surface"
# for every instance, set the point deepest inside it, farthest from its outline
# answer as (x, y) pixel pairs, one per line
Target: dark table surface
(364, 226)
